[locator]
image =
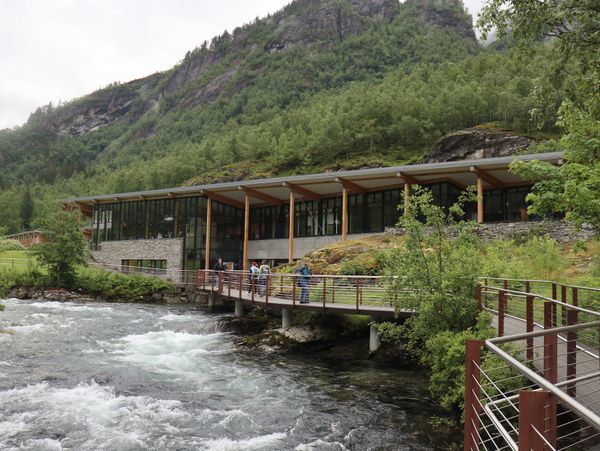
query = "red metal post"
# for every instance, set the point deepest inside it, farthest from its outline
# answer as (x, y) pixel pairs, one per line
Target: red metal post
(532, 407)
(357, 293)
(293, 291)
(228, 285)
(529, 324)
(565, 300)
(267, 287)
(505, 284)
(478, 291)
(252, 288)
(361, 293)
(501, 312)
(324, 291)
(212, 281)
(240, 284)
(473, 406)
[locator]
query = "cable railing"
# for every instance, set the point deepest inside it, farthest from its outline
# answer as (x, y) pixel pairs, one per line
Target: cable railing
(537, 385)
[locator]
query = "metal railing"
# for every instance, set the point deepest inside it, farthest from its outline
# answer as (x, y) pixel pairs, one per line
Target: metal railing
(296, 288)
(537, 385)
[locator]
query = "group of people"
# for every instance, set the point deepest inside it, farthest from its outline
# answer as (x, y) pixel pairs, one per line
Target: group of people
(258, 275)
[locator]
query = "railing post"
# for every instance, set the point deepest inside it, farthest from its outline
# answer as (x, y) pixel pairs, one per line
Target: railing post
(361, 293)
(532, 409)
(333, 290)
(267, 287)
(501, 312)
(324, 291)
(564, 300)
(252, 287)
(529, 325)
(551, 375)
(240, 283)
(478, 291)
(293, 291)
(228, 286)
(357, 294)
(473, 407)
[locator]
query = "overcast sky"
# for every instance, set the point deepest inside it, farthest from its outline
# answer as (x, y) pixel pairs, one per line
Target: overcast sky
(52, 50)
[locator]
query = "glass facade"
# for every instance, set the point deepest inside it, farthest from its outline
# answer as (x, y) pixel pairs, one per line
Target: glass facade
(185, 218)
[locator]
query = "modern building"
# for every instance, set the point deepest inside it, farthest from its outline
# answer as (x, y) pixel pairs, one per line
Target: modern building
(28, 238)
(190, 227)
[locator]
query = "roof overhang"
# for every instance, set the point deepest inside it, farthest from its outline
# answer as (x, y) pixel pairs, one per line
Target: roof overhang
(494, 173)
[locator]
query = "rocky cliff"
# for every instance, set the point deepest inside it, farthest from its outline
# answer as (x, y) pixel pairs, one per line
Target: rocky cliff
(477, 142)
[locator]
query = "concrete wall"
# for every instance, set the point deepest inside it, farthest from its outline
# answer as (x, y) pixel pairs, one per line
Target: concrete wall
(278, 249)
(112, 252)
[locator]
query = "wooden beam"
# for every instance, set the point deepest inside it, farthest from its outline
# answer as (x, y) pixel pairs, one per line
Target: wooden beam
(408, 179)
(480, 211)
(302, 191)
(292, 214)
(351, 186)
(222, 199)
(344, 213)
(261, 196)
(208, 233)
(489, 178)
(246, 230)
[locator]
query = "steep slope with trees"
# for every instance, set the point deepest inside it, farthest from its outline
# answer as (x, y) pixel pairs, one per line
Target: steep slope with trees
(318, 85)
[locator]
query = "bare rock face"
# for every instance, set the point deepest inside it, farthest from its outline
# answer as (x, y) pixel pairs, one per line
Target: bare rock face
(475, 143)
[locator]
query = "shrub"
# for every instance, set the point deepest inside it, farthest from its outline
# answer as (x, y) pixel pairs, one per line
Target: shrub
(118, 286)
(10, 245)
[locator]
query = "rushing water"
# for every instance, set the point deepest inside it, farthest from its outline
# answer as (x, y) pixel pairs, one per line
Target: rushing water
(129, 377)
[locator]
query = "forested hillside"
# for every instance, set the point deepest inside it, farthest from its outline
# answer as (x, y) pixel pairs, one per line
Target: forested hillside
(318, 85)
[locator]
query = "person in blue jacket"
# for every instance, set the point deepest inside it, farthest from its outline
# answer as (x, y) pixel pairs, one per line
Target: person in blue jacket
(303, 282)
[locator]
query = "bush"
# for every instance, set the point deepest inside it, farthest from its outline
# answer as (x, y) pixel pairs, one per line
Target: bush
(10, 245)
(118, 286)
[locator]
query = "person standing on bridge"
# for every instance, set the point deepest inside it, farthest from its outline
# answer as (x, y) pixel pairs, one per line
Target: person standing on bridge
(219, 268)
(303, 282)
(263, 275)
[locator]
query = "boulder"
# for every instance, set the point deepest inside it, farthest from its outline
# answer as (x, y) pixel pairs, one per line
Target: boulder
(475, 143)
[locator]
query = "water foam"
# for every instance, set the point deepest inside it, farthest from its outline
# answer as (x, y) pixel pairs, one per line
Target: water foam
(94, 414)
(27, 328)
(269, 441)
(172, 317)
(69, 306)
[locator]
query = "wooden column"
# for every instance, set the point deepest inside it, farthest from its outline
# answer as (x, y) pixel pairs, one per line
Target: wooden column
(208, 230)
(344, 213)
(479, 200)
(246, 230)
(292, 214)
(406, 197)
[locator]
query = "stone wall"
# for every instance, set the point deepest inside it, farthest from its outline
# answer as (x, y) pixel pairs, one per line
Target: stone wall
(561, 231)
(113, 252)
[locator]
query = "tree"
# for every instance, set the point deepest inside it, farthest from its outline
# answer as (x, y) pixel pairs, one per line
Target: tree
(27, 209)
(574, 27)
(65, 247)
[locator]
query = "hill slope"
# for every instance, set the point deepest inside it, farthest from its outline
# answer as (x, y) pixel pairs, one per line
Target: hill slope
(320, 84)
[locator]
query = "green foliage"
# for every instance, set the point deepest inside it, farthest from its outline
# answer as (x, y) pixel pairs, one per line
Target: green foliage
(118, 286)
(538, 258)
(65, 247)
(10, 245)
(27, 209)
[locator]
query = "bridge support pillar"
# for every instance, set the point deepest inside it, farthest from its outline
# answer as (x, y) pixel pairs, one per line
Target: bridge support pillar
(212, 301)
(286, 318)
(239, 308)
(374, 339)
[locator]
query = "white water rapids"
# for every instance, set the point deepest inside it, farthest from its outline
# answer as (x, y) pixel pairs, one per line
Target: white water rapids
(135, 377)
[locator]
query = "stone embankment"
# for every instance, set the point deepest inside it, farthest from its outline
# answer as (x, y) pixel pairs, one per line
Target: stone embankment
(561, 231)
(62, 295)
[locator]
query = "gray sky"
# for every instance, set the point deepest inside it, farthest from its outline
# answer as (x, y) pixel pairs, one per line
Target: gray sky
(52, 50)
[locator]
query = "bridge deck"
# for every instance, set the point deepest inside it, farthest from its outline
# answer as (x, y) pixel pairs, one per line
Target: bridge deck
(383, 312)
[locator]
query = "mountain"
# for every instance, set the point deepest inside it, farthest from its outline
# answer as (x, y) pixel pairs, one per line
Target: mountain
(320, 84)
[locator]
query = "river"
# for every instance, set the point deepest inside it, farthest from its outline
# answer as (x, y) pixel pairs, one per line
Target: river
(94, 376)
